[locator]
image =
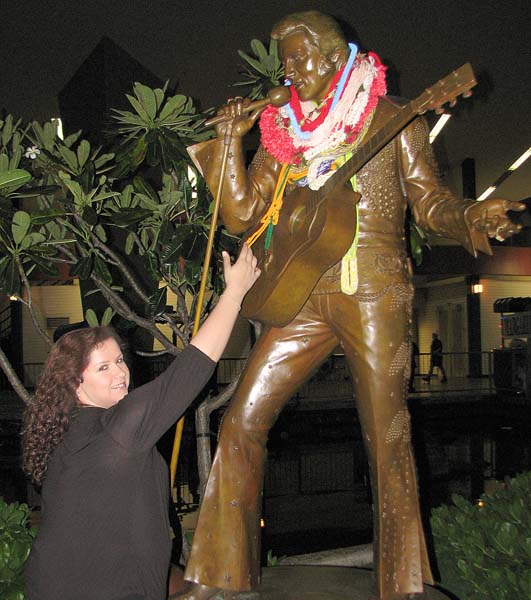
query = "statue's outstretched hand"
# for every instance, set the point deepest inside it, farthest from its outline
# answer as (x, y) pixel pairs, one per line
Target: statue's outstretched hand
(490, 217)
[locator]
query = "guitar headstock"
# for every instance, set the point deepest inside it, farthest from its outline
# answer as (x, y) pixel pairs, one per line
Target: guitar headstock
(447, 90)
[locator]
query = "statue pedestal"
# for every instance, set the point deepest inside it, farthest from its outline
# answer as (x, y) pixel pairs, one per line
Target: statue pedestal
(318, 583)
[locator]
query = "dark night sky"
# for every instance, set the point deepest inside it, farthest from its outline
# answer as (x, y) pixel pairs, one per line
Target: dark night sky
(195, 45)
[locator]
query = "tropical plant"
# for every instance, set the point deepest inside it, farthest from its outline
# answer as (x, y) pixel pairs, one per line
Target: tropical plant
(263, 70)
(484, 550)
(15, 543)
(132, 219)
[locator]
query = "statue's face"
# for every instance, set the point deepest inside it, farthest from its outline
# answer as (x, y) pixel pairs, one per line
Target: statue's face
(308, 69)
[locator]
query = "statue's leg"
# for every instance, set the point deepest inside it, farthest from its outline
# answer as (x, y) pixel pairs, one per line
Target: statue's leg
(226, 547)
(377, 342)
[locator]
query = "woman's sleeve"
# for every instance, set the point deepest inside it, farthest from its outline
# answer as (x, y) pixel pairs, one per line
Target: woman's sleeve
(142, 417)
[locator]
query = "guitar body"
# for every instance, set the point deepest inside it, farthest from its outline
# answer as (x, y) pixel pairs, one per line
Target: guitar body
(312, 234)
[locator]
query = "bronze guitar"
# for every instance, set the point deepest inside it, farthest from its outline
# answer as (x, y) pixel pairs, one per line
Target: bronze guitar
(316, 228)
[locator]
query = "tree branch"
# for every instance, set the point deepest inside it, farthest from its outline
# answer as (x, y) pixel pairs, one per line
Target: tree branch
(13, 379)
(135, 286)
(202, 427)
(29, 302)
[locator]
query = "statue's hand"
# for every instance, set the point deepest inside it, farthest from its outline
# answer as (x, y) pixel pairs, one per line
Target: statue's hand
(236, 121)
(490, 217)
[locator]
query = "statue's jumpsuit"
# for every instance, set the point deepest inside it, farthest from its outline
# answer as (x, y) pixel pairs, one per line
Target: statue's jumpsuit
(373, 326)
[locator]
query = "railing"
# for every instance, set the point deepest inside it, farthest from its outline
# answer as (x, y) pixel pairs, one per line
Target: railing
(457, 364)
(332, 379)
(314, 470)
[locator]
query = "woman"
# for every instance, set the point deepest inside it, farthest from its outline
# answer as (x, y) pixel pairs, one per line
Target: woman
(104, 533)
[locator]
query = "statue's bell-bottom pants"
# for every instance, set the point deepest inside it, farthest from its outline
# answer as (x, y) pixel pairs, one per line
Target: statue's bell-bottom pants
(374, 331)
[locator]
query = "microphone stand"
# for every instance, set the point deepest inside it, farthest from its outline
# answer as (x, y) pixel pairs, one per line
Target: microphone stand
(204, 276)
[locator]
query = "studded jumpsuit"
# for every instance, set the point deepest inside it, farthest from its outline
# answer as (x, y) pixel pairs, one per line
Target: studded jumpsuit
(373, 326)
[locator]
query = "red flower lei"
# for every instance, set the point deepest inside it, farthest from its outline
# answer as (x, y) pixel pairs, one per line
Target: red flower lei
(277, 137)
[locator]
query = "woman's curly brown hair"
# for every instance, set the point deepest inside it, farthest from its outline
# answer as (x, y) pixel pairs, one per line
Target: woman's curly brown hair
(55, 403)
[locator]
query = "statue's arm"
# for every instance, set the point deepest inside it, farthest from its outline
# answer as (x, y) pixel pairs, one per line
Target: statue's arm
(434, 206)
(245, 193)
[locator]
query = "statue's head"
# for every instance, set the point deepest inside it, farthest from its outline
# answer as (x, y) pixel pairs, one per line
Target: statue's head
(313, 49)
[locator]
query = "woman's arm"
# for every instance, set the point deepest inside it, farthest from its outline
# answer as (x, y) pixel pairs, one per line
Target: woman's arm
(214, 334)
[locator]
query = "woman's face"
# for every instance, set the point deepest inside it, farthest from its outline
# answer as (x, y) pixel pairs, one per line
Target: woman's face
(106, 379)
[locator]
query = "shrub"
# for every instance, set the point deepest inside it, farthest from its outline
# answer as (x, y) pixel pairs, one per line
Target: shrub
(484, 550)
(15, 544)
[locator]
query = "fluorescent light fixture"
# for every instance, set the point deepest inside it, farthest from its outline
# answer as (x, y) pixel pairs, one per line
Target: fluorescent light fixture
(487, 192)
(438, 127)
(58, 127)
(521, 160)
(477, 288)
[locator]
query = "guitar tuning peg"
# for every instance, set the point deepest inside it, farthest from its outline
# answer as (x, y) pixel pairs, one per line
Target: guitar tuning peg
(453, 103)
(439, 111)
(467, 94)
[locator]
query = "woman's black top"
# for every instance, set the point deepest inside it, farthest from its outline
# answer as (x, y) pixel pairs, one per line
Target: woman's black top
(104, 533)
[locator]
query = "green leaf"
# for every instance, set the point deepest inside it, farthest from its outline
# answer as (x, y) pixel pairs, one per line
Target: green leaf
(45, 266)
(83, 268)
(45, 215)
(99, 230)
(143, 187)
(256, 64)
(20, 226)
(140, 110)
(91, 318)
(32, 239)
(102, 160)
(15, 158)
(147, 98)
(4, 163)
(14, 179)
(86, 178)
(129, 243)
(83, 152)
(11, 281)
(173, 105)
(69, 157)
(101, 269)
(129, 216)
(259, 49)
(7, 130)
(107, 316)
(40, 190)
(74, 188)
(70, 140)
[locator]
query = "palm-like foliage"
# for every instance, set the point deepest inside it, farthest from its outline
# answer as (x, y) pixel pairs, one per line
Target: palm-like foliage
(263, 70)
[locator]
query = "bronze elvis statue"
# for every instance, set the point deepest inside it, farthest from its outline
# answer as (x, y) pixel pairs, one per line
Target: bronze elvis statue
(363, 303)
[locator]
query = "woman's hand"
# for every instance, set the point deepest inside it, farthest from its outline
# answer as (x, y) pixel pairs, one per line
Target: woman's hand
(214, 334)
(240, 277)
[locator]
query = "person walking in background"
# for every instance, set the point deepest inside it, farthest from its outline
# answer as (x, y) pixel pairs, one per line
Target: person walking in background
(436, 358)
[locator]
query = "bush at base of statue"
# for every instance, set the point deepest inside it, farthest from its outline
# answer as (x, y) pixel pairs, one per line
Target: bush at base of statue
(483, 550)
(16, 538)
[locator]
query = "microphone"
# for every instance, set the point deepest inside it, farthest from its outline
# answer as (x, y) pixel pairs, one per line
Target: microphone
(277, 96)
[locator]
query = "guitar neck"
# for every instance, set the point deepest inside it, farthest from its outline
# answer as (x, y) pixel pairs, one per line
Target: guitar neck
(371, 147)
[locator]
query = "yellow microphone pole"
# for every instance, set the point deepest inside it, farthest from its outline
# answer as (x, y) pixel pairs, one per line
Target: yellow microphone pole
(202, 287)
